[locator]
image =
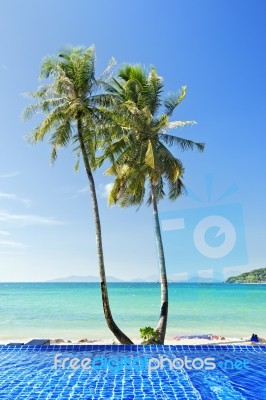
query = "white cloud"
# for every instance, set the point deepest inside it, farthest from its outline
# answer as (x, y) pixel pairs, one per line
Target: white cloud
(4, 233)
(7, 253)
(7, 196)
(104, 190)
(83, 190)
(12, 244)
(10, 175)
(27, 202)
(80, 192)
(28, 219)
(12, 196)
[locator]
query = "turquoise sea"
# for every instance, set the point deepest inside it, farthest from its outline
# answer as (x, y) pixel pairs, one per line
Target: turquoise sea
(74, 310)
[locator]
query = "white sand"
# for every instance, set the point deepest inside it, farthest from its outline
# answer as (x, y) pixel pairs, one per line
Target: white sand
(226, 340)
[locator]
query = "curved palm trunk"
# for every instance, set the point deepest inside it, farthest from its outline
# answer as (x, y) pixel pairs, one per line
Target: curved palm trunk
(105, 300)
(161, 327)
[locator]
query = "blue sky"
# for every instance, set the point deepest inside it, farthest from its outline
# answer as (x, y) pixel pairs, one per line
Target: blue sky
(217, 49)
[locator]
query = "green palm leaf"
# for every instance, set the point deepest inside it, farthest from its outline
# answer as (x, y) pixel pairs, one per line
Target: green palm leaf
(173, 100)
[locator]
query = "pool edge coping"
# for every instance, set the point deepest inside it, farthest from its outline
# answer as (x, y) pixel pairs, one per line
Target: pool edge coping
(121, 347)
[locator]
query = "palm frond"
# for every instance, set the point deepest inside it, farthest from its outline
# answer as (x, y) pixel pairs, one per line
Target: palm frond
(45, 107)
(60, 137)
(153, 90)
(105, 75)
(49, 67)
(178, 124)
(76, 166)
(151, 155)
(173, 100)
(183, 144)
(176, 189)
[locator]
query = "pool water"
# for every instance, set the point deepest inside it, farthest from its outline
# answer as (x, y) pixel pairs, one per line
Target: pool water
(132, 372)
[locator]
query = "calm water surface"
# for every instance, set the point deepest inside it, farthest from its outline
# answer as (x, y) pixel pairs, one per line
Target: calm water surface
(74, 310)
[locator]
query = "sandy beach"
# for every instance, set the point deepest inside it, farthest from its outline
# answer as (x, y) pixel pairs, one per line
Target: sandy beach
(172, 342)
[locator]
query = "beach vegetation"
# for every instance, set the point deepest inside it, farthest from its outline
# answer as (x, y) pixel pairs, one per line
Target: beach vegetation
(254, 276)
(149, 335)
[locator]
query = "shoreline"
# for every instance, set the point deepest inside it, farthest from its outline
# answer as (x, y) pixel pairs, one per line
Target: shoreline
(171, 342)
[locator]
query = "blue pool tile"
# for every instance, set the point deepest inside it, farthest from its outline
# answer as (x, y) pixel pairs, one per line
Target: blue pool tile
(28, 372)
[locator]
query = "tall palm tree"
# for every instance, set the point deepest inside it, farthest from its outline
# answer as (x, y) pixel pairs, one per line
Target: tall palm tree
(70, 102)
(140, 155)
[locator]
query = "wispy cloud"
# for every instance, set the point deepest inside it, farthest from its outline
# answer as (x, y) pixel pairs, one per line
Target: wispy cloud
(104, 190)
(12, 244)
(12, 196)
(28, 219)
(9, 196)
(83, 190)
(9, 252)
(4, 233)
(7, 244)
(9, 175)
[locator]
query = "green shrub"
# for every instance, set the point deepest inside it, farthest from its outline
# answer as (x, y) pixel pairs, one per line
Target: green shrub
(149, 335)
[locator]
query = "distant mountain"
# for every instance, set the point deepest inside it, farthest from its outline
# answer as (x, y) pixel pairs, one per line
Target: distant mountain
(151, 278)
(254, 276)
(87, 278)
(148, 279)
(192, 279)
(136, 280)
(197, 279)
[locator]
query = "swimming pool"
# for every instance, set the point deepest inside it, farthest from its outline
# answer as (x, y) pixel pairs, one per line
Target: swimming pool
(132, 372)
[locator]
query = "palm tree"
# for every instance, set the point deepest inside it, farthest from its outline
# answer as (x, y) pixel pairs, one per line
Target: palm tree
(70, 102)
(140, 155)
